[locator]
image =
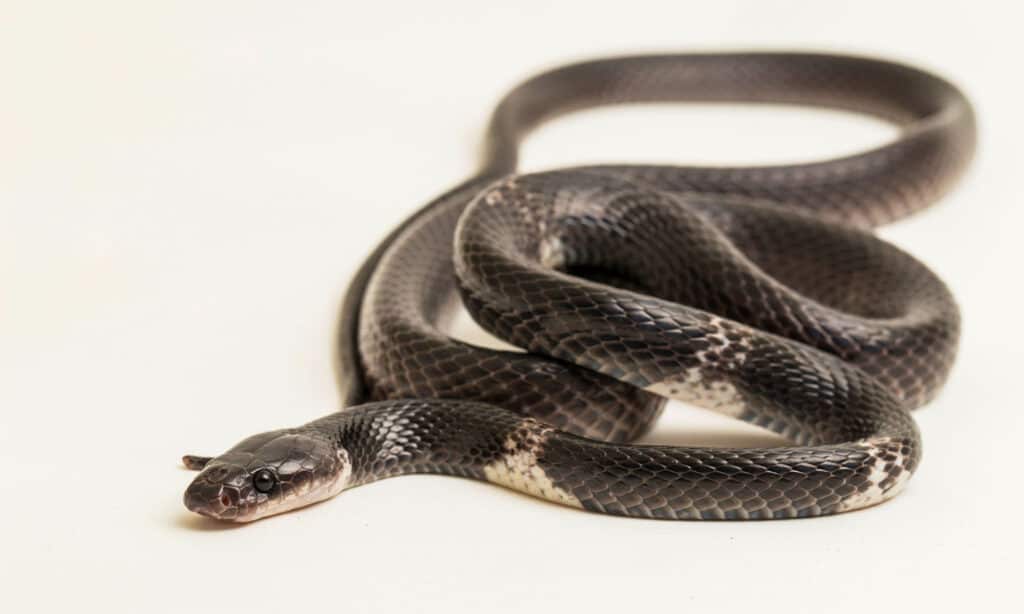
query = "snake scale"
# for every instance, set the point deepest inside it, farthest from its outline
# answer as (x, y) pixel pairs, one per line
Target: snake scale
(758, 292)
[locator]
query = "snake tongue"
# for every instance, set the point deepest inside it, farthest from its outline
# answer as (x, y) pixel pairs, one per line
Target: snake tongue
(195, 463)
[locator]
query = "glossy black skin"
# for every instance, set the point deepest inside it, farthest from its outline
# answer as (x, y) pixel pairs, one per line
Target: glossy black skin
(402, 351)
(831, 360)
(754, 267)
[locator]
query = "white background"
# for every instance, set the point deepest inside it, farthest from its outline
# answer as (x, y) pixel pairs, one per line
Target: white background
(185, 188)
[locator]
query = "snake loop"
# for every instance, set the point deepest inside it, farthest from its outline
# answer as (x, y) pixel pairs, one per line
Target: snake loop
(759, 292)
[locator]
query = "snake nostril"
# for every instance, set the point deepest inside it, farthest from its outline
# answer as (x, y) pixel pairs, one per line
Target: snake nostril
(225, 500)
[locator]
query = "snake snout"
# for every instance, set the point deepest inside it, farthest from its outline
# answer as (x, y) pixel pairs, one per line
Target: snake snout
(212, 500)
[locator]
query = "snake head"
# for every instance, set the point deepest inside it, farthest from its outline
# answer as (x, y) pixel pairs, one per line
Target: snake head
(267, 474)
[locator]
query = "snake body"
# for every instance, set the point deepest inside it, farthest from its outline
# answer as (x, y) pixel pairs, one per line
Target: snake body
(759, 292)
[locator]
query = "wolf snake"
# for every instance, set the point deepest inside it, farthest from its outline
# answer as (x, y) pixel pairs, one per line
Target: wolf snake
(759, 292)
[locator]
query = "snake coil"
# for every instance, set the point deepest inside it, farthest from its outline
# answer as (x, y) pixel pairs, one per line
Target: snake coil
(759, 292)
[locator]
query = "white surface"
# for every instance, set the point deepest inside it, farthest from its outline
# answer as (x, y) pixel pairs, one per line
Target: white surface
(185, 188)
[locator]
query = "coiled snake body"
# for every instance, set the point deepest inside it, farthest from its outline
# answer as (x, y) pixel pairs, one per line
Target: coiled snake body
(759, 292)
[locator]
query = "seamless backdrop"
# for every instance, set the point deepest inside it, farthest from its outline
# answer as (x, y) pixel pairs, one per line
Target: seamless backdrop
(186, 187)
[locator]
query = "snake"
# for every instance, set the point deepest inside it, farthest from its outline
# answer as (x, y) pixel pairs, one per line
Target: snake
(759, 292)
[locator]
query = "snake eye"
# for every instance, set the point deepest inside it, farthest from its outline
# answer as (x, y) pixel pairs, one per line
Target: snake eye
(264, 480)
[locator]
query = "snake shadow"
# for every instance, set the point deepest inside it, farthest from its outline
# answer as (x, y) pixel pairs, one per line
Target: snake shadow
(195, 522)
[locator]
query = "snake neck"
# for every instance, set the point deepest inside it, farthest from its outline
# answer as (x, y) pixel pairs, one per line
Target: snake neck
(405, 437)
(465, 439)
